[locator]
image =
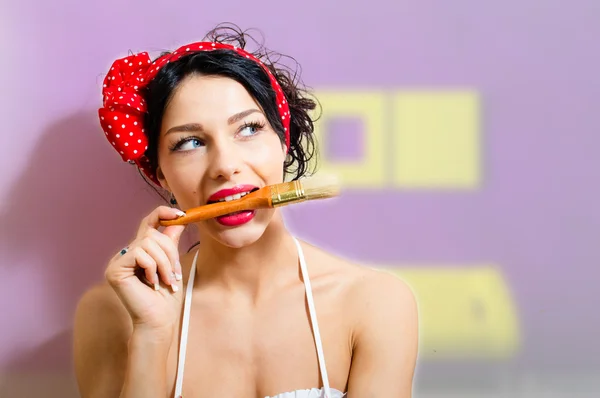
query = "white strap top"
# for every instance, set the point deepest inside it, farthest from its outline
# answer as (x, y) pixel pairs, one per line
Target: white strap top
(325, 392)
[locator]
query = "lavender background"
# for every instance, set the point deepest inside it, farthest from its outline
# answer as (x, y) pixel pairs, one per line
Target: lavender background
(68, 203)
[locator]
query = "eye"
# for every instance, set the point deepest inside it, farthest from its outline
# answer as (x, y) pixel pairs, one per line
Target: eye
(250, 129)
(187, 144)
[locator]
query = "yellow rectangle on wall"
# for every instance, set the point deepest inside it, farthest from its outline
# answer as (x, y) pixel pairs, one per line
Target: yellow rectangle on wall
(464, 312)
(369, 107)
(436, 139)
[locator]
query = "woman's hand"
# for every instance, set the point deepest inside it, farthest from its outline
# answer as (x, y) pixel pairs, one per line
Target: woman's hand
(147, 276)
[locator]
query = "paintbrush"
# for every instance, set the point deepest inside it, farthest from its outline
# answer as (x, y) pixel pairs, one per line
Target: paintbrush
(271, 196)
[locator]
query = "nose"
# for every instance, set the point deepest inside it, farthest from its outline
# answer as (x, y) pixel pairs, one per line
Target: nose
(225, 161)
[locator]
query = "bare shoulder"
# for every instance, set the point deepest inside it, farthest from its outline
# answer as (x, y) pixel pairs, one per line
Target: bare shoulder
(101, 322)
(330, 270)
(101, 331)
(380, 310)
(99, 307)
(359, 281)
(372, 295)
(381, 289)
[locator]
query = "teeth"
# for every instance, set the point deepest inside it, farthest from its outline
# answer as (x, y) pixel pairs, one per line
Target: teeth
(233, 197)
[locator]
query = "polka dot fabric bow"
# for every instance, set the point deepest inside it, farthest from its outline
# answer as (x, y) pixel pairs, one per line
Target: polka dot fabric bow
(122, 113)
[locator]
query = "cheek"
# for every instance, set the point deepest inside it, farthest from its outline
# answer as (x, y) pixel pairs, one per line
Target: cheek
(267, 158)
(184, 172)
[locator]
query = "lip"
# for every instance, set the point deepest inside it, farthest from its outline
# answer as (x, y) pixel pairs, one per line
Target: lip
(236, 219)
(231, 191)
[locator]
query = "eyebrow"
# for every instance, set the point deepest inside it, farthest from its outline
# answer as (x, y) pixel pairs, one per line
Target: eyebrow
(239, 116)
(185, 128)
(196, 127)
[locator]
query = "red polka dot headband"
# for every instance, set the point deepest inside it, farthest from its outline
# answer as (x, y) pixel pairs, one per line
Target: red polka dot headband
(122, 113)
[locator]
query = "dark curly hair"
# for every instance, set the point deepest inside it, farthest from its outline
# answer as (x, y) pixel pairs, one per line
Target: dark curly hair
(301, 158)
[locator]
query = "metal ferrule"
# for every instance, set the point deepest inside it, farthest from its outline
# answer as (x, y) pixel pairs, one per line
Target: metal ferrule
(296, 194)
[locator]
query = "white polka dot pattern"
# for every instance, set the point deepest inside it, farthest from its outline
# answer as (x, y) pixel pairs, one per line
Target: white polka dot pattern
(125, 107)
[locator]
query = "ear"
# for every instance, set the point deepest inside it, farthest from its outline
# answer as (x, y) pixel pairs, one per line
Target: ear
(160, 176)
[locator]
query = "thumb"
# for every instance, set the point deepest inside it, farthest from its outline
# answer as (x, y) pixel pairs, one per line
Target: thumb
(174, 232)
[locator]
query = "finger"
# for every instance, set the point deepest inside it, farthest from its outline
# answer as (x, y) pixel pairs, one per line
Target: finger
(148, 264)
(153, 219)
(163, 265)
(122, 265)
(174, 233)
(170, 248)
(140, 273)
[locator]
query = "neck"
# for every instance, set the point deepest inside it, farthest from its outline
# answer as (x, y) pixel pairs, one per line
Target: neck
(253, 269)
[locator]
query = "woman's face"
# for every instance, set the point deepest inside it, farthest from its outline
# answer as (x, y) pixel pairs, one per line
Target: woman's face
(215, 141)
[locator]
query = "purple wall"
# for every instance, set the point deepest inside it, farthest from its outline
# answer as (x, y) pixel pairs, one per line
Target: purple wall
(534, 65)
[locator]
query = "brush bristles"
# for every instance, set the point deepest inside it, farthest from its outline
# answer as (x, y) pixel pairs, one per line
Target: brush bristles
(320, 187)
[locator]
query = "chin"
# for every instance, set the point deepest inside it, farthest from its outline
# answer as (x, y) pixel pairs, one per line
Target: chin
(240, 236)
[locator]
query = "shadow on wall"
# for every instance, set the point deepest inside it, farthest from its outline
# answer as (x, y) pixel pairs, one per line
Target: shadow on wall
(44, 371)
(75, 205)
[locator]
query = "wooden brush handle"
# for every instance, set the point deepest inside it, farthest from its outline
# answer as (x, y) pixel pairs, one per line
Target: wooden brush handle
(219, 209)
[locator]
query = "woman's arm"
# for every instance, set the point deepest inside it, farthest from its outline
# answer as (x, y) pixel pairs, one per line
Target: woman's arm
(385, 339)
(111, 358)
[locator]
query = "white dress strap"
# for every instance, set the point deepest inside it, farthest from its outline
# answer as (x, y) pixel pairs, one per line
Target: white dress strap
(313, 320)
(185, 325)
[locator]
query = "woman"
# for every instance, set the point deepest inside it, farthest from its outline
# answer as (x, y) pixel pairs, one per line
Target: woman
(251, 312)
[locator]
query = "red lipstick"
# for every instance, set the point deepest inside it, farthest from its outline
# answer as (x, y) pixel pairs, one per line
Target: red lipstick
(239, 217)
(231, 191)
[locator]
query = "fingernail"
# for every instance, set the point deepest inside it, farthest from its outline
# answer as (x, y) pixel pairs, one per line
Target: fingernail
(180, 213)
(175, 288)
(156, 286)
(156, 282)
